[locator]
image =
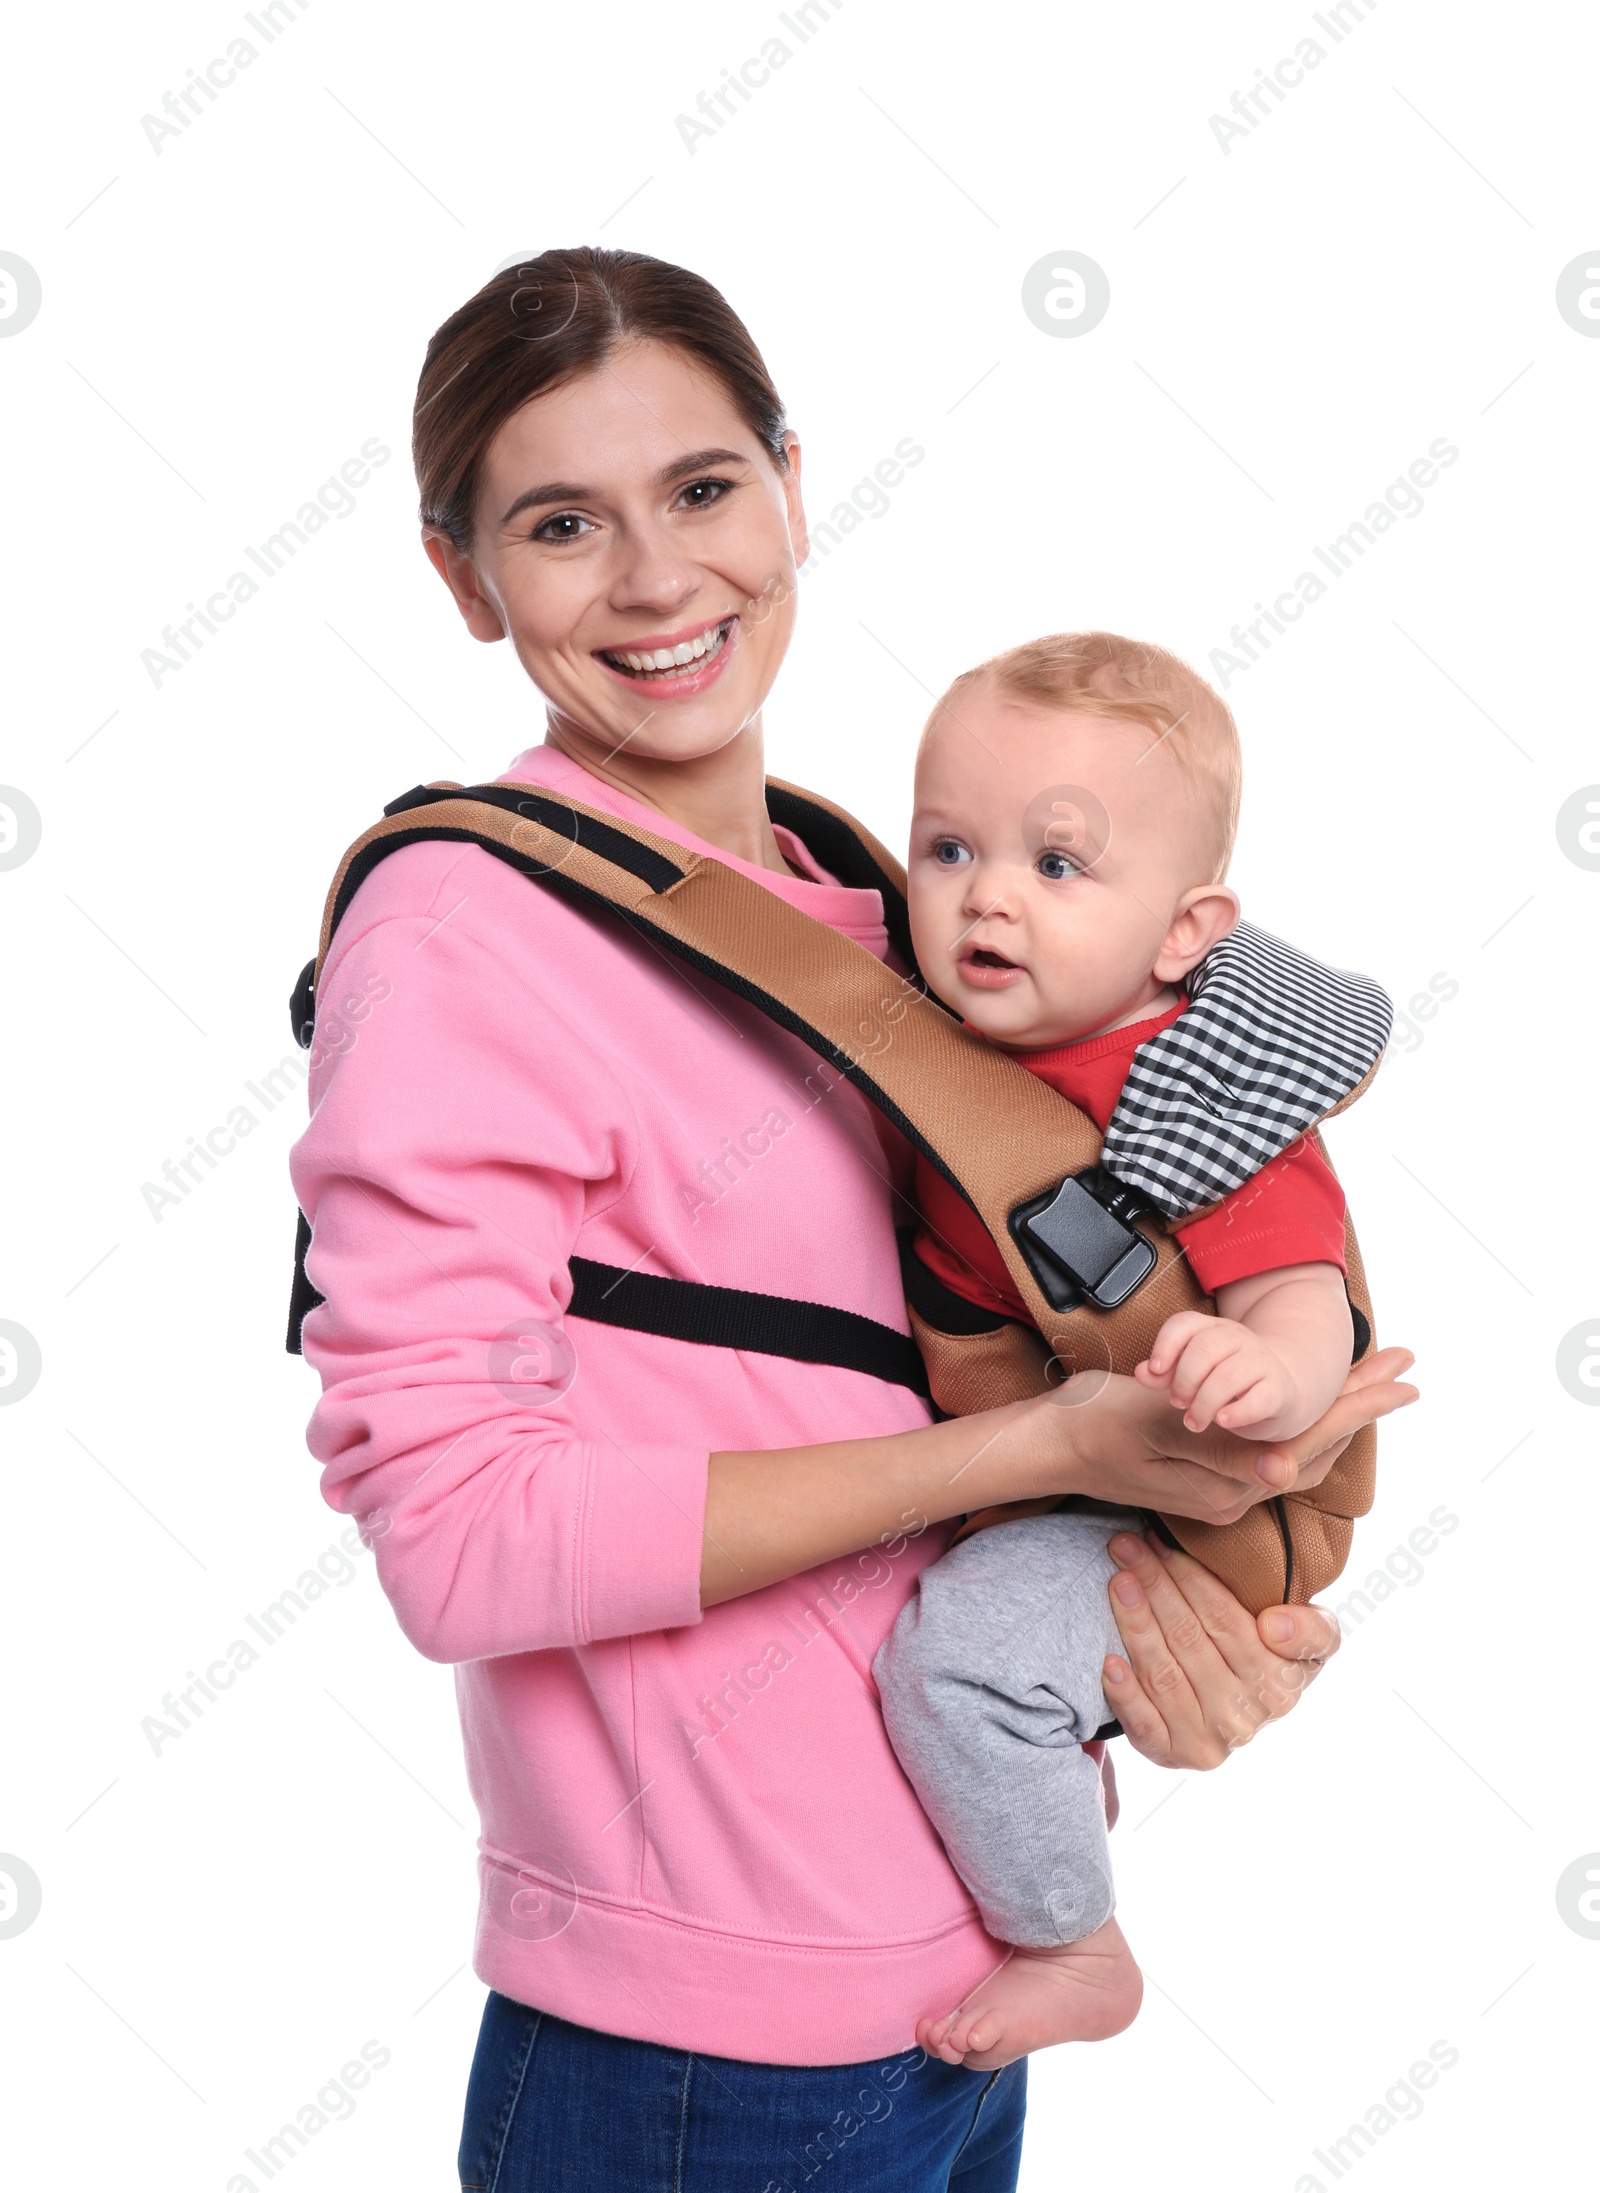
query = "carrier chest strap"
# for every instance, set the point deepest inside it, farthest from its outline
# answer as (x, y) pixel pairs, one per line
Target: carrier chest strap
(734, 1317)
(708, 1317)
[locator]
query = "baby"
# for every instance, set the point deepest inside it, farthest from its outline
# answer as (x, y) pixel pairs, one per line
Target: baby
(1076, 801)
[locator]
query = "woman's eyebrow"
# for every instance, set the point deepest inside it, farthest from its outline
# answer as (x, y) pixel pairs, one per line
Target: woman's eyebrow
(553, 491)
(562, 491)
(696, 461)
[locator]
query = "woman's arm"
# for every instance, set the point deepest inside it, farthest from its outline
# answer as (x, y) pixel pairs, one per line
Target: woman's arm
(777, 1513)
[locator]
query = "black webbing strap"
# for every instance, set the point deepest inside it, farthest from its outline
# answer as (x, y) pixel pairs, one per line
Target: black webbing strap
(835, 846)
(731, 1317)
(711, 1317)
(935, 1303)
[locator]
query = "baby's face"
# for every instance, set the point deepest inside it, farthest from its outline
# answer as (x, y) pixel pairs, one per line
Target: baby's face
(1049, 855)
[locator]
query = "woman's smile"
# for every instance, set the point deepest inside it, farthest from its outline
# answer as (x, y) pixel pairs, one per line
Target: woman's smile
(674, 663)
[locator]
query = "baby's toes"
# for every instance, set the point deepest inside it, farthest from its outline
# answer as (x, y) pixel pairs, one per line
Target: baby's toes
(983, 2033)
(933, 2038)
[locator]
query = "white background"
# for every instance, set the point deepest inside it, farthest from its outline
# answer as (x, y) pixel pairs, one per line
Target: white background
(229, 318)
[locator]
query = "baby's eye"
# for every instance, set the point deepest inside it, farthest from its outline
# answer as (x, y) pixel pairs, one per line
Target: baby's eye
(1056, 867)
(949, 853)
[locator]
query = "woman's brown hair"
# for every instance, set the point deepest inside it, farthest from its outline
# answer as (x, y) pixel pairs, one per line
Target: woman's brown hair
(545, 320)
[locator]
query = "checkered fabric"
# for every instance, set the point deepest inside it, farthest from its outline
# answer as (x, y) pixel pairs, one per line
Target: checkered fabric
(1270, 1043)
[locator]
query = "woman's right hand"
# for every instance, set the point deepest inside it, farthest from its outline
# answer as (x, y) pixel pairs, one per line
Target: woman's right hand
(1112, 1439)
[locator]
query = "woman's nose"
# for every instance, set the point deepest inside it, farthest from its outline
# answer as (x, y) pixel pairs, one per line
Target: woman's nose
(651, 573)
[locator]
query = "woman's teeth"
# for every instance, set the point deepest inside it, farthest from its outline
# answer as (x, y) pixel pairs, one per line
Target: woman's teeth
(661, 659)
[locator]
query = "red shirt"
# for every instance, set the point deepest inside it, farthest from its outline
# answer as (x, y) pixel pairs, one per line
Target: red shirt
(1292, 1212)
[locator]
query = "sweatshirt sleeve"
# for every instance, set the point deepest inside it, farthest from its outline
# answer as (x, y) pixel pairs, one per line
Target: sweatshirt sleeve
(461, 1128)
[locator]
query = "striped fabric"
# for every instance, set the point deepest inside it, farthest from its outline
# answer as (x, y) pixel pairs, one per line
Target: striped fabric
(1270, 1043)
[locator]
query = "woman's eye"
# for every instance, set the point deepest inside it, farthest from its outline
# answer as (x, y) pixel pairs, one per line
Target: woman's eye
(701, 494)
(948, 854)
(1056, 867)
(566, 525)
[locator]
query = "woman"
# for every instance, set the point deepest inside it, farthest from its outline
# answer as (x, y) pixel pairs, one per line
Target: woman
(713, 1916)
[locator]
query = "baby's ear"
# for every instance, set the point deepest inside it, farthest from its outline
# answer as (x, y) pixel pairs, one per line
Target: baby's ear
(1204, 917)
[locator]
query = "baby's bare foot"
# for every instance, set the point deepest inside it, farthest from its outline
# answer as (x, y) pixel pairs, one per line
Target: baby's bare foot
(1084, 1991)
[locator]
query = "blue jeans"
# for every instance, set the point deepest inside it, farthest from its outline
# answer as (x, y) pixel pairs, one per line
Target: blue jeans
(555, 2108)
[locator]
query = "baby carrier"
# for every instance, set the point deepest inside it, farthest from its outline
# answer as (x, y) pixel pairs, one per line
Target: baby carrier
(1270, 1044)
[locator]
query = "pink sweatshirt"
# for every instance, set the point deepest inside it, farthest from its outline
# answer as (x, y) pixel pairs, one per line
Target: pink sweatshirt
(694, 1831)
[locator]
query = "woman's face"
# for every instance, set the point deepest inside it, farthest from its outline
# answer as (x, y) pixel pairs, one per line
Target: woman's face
(639, 547)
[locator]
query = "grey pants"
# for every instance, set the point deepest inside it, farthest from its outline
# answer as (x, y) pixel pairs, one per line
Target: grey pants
(990, 1682)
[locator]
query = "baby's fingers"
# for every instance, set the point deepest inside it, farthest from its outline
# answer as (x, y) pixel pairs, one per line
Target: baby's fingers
(1255, 1405)
(1170, 1341)
(1226, 1388)
(1203, 1356)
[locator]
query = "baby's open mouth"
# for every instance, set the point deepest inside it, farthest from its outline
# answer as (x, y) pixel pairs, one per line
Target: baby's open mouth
(661, 663)
(988, 969)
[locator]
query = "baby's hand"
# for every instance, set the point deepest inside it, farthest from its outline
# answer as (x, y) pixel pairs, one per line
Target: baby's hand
(1221, 1373)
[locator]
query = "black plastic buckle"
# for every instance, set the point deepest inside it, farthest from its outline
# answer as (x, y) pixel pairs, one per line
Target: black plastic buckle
(1080, 1242)
(303, 1005)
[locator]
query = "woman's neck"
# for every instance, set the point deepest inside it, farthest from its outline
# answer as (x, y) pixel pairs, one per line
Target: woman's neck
(720, 797)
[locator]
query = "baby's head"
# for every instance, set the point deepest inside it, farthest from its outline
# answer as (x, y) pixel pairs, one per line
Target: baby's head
(1076, 801)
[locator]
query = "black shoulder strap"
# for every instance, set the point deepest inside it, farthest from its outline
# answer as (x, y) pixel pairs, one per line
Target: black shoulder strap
(828, 837)
(607, 1294)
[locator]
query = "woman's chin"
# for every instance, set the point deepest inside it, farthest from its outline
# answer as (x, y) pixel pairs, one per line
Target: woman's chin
(687, 730)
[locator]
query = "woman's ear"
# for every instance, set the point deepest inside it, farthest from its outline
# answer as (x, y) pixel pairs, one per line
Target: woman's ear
(480, 615)
(1203, 918)
(799, 536)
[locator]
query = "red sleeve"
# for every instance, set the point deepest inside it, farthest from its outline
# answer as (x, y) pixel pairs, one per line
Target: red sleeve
(957, 1247)
(1292, 1212)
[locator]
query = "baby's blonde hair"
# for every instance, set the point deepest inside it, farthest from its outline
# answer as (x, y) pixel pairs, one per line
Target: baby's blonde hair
(1103, 674)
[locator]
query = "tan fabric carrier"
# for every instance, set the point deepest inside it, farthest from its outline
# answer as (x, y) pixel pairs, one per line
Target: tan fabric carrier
(992, 1128)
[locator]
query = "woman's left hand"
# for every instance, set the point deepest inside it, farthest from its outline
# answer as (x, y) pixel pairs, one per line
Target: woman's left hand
(1201, 1674)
